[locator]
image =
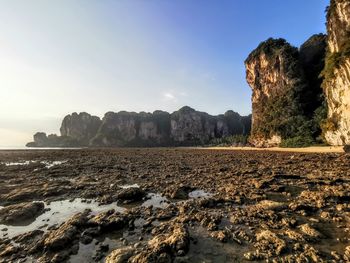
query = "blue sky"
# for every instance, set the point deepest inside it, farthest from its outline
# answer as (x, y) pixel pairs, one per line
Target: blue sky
(57, 57)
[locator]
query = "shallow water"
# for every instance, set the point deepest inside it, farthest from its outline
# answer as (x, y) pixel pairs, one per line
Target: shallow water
(19, 163)
(156, 201)
(199, 194)
(48, 164)
(206, 249)
(129, 186)
(87, 252)
(59, 212)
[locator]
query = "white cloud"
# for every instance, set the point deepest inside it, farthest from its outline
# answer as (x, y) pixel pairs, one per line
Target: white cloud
(168, 96)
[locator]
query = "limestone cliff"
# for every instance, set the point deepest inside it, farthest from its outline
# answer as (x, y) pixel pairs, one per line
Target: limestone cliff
(188, 125)
(183, 127)
(52, 140)
(337, 73)
(128, 129)
(275, 75)
(133, 129)
(287, 92)
(81, 127)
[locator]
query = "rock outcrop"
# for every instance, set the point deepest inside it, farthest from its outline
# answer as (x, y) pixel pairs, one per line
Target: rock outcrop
(52, 140)
(130, 129)
(81, 127)
(337, 73)
(133, 129)
(21, 213)
(286, 90)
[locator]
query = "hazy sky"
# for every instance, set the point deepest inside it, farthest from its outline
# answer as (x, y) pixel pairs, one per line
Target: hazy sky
(61, 56)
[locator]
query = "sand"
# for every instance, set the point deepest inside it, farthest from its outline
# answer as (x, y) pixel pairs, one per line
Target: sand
(314, 149)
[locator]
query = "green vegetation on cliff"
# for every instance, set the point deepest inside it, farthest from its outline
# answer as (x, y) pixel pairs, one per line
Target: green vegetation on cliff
(234, 140)
(287, 94)
(334, 60)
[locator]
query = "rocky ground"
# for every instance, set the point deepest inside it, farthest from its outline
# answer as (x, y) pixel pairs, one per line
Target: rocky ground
(174, 205)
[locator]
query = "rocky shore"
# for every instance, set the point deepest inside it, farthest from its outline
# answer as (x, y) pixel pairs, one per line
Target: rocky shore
(174, 205)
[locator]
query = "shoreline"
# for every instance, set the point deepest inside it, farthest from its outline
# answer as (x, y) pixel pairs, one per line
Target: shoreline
(312, 149)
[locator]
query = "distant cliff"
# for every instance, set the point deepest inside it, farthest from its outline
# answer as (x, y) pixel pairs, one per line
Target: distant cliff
(184, 127)
(287, 94)
(337, 73)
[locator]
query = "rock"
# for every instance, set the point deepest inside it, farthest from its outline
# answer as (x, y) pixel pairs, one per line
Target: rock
(81, 127)
(52, 140)
(177, 240)
(16, 214)
(188, 124)
(310, 231)
(161, 248)
(261, 184)
(100, 252)
(129, 129)
(221, 235)
(294, 235)
(105, 221)
(347, 253)
(64, 236)
(120, 255)
(8, 250)
(271, 205)
(278, 243)
(132, 194)
(281, 88)
(347, 148)
(181, 192)
(337, 73)
(29, 236)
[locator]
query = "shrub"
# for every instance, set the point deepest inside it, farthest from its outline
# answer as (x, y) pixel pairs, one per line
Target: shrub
(298, 141)
(230, 140)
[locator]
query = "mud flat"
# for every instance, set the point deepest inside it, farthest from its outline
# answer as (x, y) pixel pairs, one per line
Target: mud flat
(174, 205)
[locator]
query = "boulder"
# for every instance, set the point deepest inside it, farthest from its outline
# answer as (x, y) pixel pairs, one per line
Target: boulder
(132, 194)
(21, 213)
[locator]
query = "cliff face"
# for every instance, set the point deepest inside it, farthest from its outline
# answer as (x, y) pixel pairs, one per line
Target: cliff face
(274, 73)
(127, 129)
(188, 125)
(52, 140)
(133, 129)
(312, 58)
(337, 73)
(286, 90)
(81, 127)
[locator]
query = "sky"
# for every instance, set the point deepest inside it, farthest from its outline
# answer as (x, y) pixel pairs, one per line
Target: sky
(63, 56)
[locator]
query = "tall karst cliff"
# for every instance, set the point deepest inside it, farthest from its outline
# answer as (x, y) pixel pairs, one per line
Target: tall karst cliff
(82, 127)
(283, 90)
(337, 73)
(127, 129)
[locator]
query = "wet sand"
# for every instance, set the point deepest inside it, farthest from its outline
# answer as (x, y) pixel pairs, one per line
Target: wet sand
(174, 205)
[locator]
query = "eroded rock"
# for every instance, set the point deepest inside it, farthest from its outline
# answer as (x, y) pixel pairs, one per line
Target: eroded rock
(21, 213)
